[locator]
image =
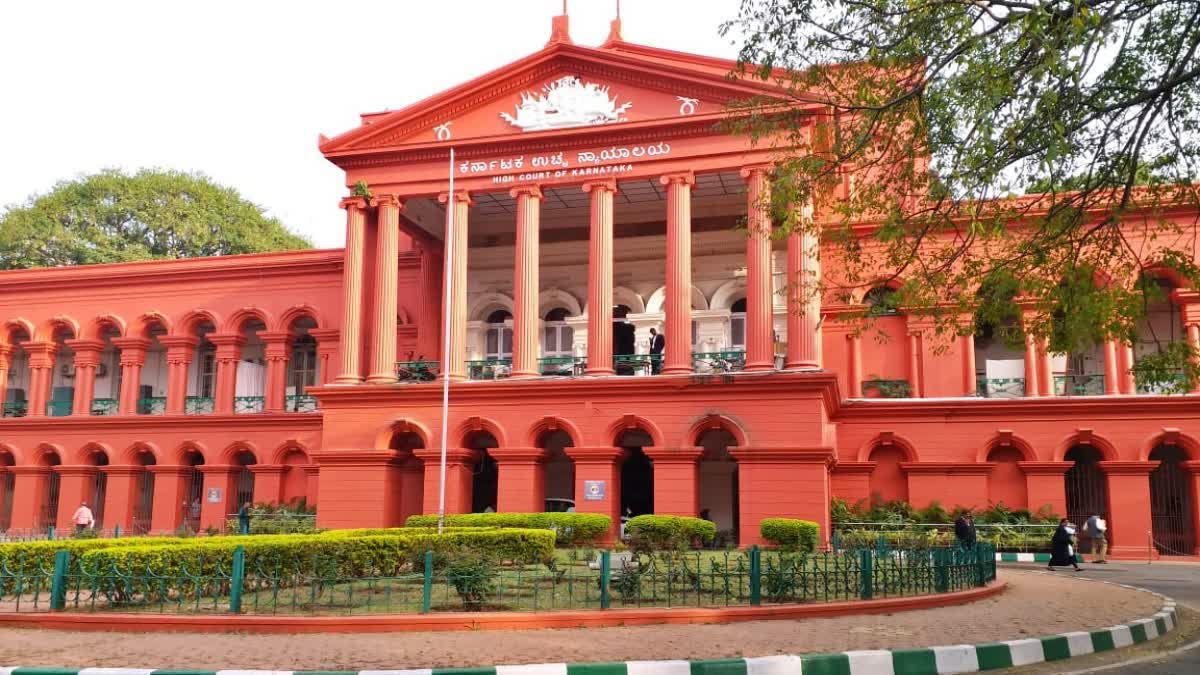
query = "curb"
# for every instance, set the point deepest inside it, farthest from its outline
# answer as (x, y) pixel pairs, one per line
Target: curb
(929, 661)
(1029, 557)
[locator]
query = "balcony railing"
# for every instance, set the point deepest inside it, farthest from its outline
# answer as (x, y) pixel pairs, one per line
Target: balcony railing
(1079, 385)
(568, 366)
(155, 405)
(416, 371)
(300, 403)
(15, 408)
(637, 364)
(198, 405)
(59, 408)
(1010, 387)
(489, 369)
(248, 404)
(888, 388)
(104, 406)
(1176, 383)
(718, 362)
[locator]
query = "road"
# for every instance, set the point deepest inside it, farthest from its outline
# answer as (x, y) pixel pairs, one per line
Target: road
(1180, 581)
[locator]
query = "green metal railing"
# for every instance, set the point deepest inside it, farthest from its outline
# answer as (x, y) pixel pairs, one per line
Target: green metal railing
(888, 388)
(637, 364)
(300, 403)
(155, 405)
(489, 369)
(245, 583)
(1176, 383)
(15, 408)
(249, 404)
(1013, 387)
(104, 406)
(416, 371)
(59, 408)
(718, 362)
(562, 365)
(1079, 385)
(198, 405)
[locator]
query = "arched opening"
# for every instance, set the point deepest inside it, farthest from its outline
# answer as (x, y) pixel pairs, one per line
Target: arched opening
(106, 392)
(194, 490)
(16, 395)
(99, 487)
(1172, 502)
(558, 338)
(62, 378)
(293, 484)
(1006, 482)
(1087, 491)
(624, 342)
(637, 473)
(888, 482)
(498, 337)
(885, 357)
(244, 480)
(412, 486)
(152, 388)
(737, 326)
(251, 384)
(1161, 326)
(303, 369)
(48, 509)
(485, 476)
(7, 485)
(999, 341)
(143, 506)
(719, 485)
(202, 372)
(559, 471)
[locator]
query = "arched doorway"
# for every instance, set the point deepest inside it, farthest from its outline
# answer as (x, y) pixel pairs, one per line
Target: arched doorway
(888, 482)
(244, 480)
(1087, 491)
(558, 471)
(7, 483)
(99, 492)
(194, 490)
(48, 511)
(303, 368)
(719, 484)
(1006, 482)
(143, 507)
(293, 485)
(637, 473)
(485, 476)
(1172, 502)
(410, 501)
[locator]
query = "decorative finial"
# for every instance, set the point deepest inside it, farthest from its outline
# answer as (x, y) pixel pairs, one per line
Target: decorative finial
(614, 30)
(559, 29)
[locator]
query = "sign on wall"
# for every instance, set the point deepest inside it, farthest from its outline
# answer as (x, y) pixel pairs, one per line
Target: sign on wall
(214, 495)
(594, 490)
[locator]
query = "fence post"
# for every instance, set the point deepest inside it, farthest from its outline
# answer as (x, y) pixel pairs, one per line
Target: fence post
(50, 533)
(605, 574)
(941, 570)
(58, 585)
(868, 583)
(116, 532)
(755, 575)
(427, 588)
(833, 541)
(237, 577)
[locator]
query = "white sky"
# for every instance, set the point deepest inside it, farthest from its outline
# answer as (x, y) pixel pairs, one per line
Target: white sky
(240, 89)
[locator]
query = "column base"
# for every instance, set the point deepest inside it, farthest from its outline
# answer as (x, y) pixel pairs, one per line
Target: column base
(381, 379)
(347, 379)
(599, 372)
(757, 367)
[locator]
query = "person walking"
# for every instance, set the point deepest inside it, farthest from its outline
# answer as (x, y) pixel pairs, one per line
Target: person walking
(658, 342)
(964, 531)
(244, 518)
(1062, 546)
(83, 518)
(1097, 530)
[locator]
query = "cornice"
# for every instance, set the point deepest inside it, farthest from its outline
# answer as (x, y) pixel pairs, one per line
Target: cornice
(1045, 468)
(158, 423)
(811, 455)
(958, 468)
(989, 409)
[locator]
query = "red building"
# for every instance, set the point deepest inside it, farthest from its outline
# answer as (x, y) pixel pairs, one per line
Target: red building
(593, 200)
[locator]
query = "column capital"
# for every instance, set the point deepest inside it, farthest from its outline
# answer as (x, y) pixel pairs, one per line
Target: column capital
(533, 191)
(1045, 468)
(601, 185)
(1123, 468)
(123, 469)
(353, 203)
(518, 455)
(276, 337)
(83, 345)
(130, 344)
(674, 455)
(165, 470)
(41, 354)
(460, 197)
(751, 170)
(322, 335)
(267, 469)
(598, 454)
(685, 177)
(433, 456)
(227, 339)
(179, 341)
(388, 200)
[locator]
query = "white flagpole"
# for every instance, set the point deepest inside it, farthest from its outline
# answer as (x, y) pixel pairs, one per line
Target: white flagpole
(449, 283)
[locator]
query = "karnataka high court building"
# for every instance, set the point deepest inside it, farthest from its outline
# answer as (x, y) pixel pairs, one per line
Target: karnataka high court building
(595, 199)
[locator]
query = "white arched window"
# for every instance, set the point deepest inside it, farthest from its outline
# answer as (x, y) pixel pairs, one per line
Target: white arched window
(737, 326)
(558, 338)
(498, 340)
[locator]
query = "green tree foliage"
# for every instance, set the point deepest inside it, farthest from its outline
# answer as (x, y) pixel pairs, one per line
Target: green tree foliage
(114, 217)
(933, 122)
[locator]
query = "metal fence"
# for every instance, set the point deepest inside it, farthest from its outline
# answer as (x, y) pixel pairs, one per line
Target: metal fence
(576, 580)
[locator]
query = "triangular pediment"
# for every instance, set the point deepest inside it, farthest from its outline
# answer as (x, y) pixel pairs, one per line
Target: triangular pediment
(563, 87)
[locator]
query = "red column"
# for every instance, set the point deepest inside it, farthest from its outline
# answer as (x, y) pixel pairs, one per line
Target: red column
(456, 257)
(228, 353)
(87, 359)
(1044, 485)
(170, 497)
(1129, 523)
(600, 468)
(1112, 384)
(915, 381)
(1031, 369)
(760, 351)
(133, 356)
(1124, 368)
(76, 485)
(679, 273)
(676, 480)
(359, 488)
(277, 351)
(803, 300)
(120, 495)
(180, 351)
(855, 354)
(350, 346)
(387, 262)
(522, 479)
(1193, 336)
(970, 383)
(783, 482)
(41, 364)
(600, 277)
(1045, 373)
(459, 463)
(268, 483)
(429, 326)
(525, 282)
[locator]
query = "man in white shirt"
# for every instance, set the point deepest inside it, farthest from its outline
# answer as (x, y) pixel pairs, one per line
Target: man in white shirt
(1097, 530)
(83, 518)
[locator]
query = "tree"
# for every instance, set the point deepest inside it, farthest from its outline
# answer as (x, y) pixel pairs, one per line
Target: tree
(915, 130)
(114, 217)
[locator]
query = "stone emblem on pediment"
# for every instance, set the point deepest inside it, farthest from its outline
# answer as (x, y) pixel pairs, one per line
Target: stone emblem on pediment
(567, 102)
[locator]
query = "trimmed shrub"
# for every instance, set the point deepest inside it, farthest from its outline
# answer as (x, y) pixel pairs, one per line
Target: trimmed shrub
(791, 534)
(668, 533)
(572, 529)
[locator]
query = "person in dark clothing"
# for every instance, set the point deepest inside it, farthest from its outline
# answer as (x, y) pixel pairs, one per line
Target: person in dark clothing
(1062, 546)
(658, 342)
(244, 518)
(964, 530)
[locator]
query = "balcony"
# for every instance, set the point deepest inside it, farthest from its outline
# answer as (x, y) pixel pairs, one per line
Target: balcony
(15, 408)
(245, 405)
(1003, 387)
(562, 366)
(300, 403)
(489, 369)
(416, 371)
(715, 363)
(887, 388)
(1079, 385)
(1175, 383)
(59, 408)
(198, 405)
(104, 407)
(637, 364)
(155, 405)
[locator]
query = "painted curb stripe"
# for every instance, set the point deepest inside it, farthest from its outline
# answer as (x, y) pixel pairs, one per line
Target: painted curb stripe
(913, 661)
(1079, 642)
(596, 669)
(773, 665)
(825, 664)
(870, 661)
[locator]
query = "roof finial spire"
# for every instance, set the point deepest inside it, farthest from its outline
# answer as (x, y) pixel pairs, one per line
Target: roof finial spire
(559, 29)
(614, 31)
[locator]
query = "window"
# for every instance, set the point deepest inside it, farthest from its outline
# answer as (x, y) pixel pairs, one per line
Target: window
(206, 374)
(498, 341)
(737, 326)
(558, 337)
(303, 365)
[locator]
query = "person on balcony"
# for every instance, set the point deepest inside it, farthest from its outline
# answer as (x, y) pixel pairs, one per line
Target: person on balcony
(83, 518)
(658, 342)
(1097, 531)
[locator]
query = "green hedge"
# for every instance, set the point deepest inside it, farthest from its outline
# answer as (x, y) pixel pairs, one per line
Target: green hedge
(660, 533)
(573, 529)
(791, 534)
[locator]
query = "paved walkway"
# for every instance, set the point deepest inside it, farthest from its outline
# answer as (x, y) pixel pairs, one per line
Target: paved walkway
(1035, 604)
